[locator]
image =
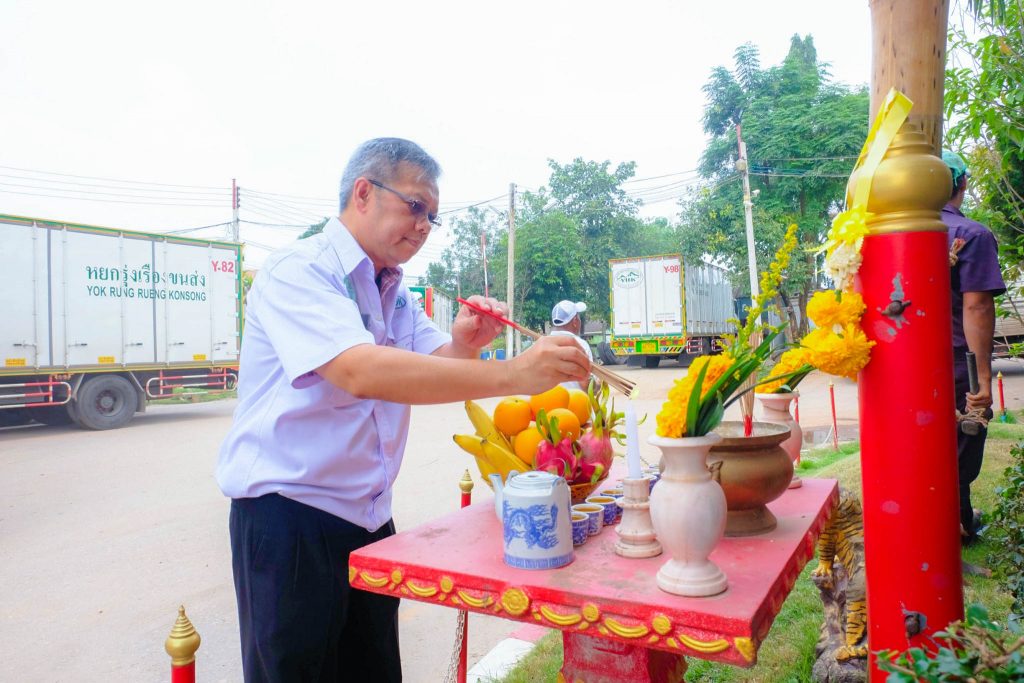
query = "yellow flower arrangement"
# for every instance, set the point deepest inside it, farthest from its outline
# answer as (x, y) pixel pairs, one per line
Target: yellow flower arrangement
(843, 354)
(792, 367)
(697, 402)
(828, 309)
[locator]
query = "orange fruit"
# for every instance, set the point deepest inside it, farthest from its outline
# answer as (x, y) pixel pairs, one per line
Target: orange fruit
(579, 404)
(526, 444)
(568, 423)
(512, 415)
(558, 397)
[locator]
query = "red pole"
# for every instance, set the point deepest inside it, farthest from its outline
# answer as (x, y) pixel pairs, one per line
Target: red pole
(908, 430)
(466, 486)
(835, 425)
(181, 645)
(1002, 398)
(483, 255)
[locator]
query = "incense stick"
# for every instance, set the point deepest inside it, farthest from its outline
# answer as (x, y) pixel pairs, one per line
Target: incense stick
(615, 381)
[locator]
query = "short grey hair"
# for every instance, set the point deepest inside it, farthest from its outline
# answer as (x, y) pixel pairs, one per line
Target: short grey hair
(378, 159)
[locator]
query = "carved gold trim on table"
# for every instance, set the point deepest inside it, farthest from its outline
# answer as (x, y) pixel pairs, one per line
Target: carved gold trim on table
(514, 601)
(375, 581)
(745, 646)
(479, 603)
(560, 619)
(659, 632)
(624, 631)
(706, 647)
(422, 591)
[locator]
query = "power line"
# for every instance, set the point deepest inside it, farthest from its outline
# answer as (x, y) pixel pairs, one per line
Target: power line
(303, 226)
(108, 201)
(113, 180)
(182, 231)
(105, 194)
(804, 159)
(203, 194)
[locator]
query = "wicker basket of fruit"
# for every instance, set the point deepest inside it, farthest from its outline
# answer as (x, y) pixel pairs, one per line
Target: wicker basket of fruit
(565, 432)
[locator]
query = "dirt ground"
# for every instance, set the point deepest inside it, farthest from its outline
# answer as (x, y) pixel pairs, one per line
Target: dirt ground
(104, 534)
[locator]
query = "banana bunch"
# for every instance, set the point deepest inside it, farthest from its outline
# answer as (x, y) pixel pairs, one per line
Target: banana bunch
(490, 448)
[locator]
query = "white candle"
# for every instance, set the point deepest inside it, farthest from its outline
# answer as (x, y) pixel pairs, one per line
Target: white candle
(632, 443)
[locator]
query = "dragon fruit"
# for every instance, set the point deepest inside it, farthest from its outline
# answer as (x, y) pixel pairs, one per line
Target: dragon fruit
(595, 455)
(554, 454)
(596, 443)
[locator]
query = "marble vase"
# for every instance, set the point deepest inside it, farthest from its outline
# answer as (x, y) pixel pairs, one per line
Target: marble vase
(688, 511)
(776, 408)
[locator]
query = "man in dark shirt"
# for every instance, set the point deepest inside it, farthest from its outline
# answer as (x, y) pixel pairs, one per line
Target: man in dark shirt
(976, 281)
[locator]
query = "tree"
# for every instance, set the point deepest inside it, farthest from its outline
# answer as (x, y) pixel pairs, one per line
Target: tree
(591, 194)
(565, 234)
(985, 107)
(460, 268)
(314, 229)
(803, 134)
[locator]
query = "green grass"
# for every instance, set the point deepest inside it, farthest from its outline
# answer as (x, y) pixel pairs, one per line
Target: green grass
(194, 396)
(787, 654)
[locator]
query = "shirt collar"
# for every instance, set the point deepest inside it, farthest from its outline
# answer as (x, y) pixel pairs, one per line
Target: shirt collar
(352, 255)
(949, 208)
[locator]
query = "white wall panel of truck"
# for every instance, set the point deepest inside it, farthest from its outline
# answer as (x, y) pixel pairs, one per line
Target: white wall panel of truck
(662, 307)
(89, 311)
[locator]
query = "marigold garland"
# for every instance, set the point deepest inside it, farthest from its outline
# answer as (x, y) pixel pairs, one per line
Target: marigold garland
(832, 308)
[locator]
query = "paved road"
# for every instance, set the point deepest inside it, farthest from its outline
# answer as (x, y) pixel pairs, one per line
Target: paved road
(103, 534)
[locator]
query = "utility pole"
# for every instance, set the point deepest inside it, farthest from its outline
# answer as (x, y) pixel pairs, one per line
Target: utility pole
(510, 287)
(234, 210)
(483, 256)
(748, 212)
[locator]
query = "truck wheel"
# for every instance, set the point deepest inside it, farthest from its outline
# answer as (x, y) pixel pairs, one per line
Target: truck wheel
(607, 356)
(106, 402)
(652, 361)
(50, 415)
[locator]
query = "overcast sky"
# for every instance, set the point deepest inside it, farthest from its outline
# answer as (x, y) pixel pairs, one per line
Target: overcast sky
(278, 95)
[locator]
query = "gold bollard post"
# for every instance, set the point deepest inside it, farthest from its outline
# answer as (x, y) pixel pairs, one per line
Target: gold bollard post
(181, 645)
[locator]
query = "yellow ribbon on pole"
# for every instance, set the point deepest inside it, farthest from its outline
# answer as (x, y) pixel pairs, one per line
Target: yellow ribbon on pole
(891, 116)
(849, 228)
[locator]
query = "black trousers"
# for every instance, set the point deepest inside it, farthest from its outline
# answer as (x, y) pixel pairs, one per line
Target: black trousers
(300, 620)
(969, 449)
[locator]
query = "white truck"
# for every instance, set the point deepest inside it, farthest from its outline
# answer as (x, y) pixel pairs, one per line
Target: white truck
(663, 308)
(97, 321)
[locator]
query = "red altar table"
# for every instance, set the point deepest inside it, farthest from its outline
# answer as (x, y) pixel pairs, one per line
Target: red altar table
(616, 624)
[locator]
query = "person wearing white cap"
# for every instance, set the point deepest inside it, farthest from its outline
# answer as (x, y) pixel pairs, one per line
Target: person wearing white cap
(565, 317)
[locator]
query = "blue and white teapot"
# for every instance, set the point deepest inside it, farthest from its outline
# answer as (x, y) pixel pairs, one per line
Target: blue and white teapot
(534, 511)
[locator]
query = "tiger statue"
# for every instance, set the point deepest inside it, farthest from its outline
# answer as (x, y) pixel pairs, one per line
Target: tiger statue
(843, 587)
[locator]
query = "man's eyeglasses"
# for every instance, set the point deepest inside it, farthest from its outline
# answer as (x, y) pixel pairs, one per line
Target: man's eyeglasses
(417, 208)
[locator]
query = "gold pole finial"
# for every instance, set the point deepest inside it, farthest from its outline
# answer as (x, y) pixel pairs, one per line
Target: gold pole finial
(999, 375)
(466, 483)
(183, 642)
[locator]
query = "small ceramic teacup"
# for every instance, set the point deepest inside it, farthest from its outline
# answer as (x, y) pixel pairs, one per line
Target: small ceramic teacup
(595, 513)
(607, 503)
(580, 527)
(615, 493)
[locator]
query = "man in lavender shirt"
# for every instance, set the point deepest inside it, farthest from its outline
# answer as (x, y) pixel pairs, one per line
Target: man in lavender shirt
(976, 281)
(333, 355)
